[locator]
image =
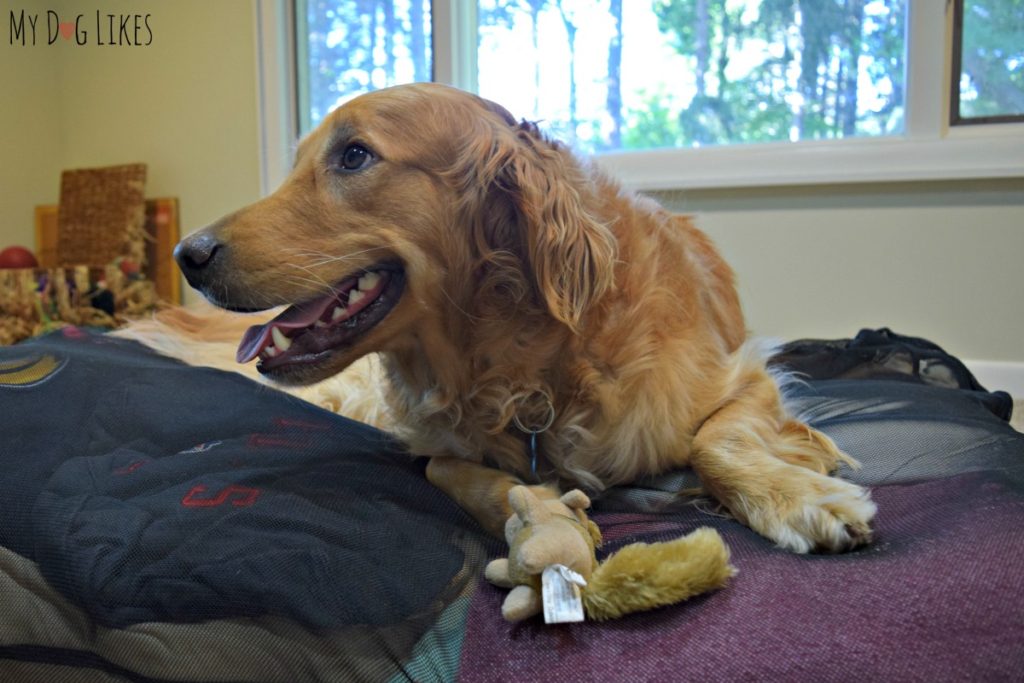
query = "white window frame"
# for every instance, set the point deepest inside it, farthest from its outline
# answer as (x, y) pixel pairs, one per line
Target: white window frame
(929, 149)
(276, 94)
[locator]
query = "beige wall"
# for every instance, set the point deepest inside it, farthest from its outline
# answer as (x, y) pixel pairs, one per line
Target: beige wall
(941, 260)
(935, 259)
(30, 135)
(185, 105)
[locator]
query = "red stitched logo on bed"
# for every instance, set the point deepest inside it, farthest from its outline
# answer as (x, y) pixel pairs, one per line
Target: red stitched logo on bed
(130, 467)
(242, 496)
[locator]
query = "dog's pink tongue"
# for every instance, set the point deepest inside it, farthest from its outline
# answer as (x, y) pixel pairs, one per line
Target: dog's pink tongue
(252, 343)
(293, 317)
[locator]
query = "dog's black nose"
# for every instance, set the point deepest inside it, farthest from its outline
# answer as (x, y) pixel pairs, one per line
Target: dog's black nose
(196, 255)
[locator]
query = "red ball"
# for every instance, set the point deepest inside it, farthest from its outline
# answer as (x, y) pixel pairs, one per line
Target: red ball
(17, 257)
(129, 268)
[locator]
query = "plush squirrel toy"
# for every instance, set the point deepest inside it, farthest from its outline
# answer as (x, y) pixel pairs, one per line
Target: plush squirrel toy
(557, 536)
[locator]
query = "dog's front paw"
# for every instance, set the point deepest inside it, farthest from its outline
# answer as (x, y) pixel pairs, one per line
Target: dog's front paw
(813, 513)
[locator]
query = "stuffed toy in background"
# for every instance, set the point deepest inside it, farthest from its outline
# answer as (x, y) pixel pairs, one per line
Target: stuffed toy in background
(556, 539)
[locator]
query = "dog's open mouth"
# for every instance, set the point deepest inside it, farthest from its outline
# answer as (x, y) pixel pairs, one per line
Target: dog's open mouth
(305, 333)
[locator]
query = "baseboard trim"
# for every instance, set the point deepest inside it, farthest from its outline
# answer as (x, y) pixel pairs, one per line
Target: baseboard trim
(1005, 376)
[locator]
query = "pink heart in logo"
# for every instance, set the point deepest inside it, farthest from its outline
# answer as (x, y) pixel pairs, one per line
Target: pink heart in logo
(67, 29)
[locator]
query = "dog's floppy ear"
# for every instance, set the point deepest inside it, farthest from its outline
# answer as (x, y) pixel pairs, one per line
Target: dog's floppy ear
(532, 206)
(570, 253)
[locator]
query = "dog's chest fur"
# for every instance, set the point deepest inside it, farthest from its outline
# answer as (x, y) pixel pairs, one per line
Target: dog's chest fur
(628, 390)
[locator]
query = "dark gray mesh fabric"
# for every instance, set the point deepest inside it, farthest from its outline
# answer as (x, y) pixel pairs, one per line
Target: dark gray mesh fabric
(903, 432)
(901, 405)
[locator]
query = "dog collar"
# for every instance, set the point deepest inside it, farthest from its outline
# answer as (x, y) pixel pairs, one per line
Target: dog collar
(533, 430)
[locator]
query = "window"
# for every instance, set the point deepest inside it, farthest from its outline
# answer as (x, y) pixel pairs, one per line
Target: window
(607, 75)
(988, 61)
(349, 47)
(725, 71)
(668, 93)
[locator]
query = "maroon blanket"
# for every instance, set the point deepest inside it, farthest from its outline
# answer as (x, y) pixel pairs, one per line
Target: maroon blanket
(939, 596)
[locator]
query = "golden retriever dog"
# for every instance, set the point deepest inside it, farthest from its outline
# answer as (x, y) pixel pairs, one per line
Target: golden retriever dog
(533, 322)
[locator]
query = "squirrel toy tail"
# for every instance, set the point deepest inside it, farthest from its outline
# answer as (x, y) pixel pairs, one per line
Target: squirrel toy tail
(642, 576)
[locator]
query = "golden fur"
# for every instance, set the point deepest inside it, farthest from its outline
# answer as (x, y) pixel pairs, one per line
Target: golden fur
(531, 278)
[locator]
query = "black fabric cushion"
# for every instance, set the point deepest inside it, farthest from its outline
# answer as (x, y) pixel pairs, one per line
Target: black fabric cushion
(884, 354)
(150, 491)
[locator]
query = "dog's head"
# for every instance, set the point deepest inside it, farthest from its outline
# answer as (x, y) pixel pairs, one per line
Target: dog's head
(402, 204)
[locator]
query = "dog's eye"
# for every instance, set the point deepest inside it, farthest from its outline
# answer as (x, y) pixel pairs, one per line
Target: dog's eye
(355, 157)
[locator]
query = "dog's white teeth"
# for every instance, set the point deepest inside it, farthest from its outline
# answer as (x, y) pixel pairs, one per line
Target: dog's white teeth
(270, 351)
(368, 281)
(338, 312)
(282, 342)
(355, 296)
(319, 323)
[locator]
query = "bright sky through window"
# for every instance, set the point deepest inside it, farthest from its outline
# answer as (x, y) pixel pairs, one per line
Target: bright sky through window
(690, 72)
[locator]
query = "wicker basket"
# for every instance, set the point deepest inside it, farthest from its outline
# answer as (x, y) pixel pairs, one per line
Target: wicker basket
(102, 216)
(100, 224)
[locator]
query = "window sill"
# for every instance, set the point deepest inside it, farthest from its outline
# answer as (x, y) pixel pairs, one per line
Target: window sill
(974, 152)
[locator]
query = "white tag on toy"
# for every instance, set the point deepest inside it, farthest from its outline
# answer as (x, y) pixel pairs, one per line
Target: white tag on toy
(560, 591)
